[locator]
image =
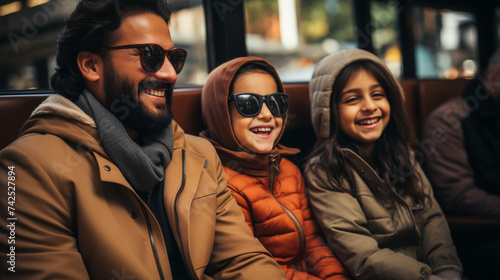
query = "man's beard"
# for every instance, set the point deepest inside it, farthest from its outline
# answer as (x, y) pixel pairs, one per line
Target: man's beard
(122, 99)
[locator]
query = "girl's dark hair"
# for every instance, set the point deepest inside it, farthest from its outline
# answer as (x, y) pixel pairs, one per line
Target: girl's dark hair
(256, 66)
(92, 26)
(393, 155)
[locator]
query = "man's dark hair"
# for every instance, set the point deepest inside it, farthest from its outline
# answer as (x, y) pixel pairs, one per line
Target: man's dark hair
(92, 26)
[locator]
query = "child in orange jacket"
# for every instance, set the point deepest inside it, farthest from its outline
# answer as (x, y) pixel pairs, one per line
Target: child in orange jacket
(245, 112)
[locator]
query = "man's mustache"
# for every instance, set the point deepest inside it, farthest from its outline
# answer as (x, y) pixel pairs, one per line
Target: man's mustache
(156, 84)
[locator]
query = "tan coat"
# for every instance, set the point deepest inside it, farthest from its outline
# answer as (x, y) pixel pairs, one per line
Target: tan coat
(78, 218)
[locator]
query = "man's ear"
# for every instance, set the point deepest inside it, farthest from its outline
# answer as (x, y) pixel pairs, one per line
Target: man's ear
(90, 65)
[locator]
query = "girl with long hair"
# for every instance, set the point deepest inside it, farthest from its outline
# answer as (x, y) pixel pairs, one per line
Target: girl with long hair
(370, 197)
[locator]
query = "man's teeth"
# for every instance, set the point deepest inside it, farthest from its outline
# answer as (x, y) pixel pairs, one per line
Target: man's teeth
(154, 92)
(262, 130)
(368, 122)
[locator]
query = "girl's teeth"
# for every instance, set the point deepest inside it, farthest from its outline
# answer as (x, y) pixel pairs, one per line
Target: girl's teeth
(368, 122)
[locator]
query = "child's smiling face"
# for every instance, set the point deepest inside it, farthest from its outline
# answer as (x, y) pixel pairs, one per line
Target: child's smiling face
(260, 132)
(364, 110)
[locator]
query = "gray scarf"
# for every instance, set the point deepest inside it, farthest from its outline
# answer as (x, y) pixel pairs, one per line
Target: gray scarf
(142, 165)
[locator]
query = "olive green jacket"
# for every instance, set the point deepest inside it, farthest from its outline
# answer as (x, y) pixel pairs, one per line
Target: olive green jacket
(412, 243)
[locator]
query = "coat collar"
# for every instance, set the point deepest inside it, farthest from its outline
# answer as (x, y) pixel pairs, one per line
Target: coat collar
(61, 106)
(371, 178)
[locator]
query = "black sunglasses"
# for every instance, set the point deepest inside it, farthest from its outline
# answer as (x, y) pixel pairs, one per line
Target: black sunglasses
(153, 56)
(249, 104)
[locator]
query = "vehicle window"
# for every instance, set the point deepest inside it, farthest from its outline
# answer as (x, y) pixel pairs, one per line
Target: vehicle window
(29, 31)
(187, 28)
(294, 35)
(28, 41)
(385, 33)
(445, 43)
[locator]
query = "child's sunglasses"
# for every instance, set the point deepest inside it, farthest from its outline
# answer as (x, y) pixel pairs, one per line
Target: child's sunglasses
(153, 56)
(249, 104)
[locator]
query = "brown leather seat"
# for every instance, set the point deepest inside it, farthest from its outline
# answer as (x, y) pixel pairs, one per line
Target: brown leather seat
(186, 108)
(421, 96)
(14, 111)
(410, 92)
(432, 93)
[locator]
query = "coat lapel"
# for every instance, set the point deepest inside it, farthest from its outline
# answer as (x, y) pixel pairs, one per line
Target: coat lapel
(181, 184)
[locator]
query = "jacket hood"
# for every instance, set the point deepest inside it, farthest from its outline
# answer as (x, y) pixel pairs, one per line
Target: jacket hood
(59, 116)
(217, 120)
(324, 76)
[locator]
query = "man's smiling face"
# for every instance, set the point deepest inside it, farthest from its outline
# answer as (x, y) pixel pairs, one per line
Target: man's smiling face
(139, 99)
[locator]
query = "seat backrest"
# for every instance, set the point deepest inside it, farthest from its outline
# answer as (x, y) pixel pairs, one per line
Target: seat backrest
(432, 93)
(421, 96)
(409, 87)
(299, 132)
(186, 108)
(14, 111)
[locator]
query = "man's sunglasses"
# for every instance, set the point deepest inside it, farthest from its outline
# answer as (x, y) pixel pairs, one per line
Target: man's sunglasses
(153, 56)
(249, 104)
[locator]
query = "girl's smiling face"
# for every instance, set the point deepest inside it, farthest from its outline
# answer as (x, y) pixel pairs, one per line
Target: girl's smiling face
(260, 132)
(364, 110)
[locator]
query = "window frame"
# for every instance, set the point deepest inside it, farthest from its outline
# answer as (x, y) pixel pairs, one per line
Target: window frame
(225, 31)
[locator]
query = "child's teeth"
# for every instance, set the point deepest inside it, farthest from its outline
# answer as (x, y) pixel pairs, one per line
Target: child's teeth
(262, 130)
(367, 122)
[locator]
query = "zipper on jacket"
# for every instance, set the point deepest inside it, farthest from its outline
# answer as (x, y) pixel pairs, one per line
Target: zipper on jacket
(273, 164)
(183, 183)
(413, 222)
(150, 193)
(273, 169)
(152, 242)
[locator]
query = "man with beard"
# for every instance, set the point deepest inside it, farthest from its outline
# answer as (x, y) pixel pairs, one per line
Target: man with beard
(106, 185)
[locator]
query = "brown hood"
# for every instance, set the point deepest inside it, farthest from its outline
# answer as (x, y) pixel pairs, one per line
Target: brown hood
(215, 112)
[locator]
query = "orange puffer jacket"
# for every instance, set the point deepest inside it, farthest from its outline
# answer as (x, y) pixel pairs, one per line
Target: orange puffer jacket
(281, 219)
